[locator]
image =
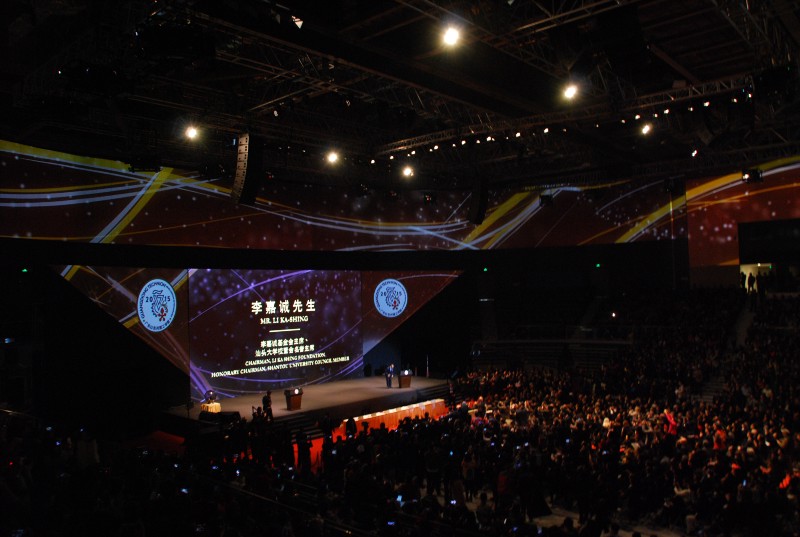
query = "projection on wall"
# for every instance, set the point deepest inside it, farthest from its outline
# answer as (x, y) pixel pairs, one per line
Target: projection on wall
(57, 196)
(717, 206)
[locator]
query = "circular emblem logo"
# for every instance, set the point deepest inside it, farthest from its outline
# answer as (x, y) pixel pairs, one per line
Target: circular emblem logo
(390, 298)
(157, 304)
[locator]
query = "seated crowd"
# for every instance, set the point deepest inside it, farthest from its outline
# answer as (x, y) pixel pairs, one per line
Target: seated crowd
(630, 443)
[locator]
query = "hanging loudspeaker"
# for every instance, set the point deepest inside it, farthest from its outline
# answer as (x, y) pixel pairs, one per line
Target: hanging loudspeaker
(249, 167)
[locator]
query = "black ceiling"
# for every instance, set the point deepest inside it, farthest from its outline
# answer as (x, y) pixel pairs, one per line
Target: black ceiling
(121, 78)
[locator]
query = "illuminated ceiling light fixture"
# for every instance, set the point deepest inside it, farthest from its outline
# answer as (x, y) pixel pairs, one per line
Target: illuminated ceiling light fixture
(546, 130)
(517, 135)
(646, 128)
(408, 171)
(191, 132)
(297, 21)
(707, 104)
(333, 157)
(451, 36)
(694, 152)
(570, 91)
(637, 116)
(666, 111)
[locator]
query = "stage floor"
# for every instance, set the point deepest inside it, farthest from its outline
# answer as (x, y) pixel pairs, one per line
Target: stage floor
(341, 399)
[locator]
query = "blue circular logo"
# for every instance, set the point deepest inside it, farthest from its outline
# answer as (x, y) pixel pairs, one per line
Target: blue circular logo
(390, 298)
(156, 306)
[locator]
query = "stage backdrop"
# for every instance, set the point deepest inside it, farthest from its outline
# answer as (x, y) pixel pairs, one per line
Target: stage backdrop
(246, 331)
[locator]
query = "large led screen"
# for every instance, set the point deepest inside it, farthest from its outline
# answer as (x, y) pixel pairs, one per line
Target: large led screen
(254, 330)
(242, 331)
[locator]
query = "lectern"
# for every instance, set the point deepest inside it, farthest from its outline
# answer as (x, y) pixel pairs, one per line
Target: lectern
(293, 398)
(405, 378)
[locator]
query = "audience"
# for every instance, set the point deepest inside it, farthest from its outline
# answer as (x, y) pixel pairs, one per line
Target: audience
(633, 442)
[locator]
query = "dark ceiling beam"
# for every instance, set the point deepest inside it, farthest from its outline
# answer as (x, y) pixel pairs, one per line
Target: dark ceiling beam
(761, 30)
(785, 13)
(434, 80)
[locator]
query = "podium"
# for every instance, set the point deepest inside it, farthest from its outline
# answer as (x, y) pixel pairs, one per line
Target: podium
(212, 407)
(405, 381)
(293, 398)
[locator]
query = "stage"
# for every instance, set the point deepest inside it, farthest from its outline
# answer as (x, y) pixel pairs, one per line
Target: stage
(341, 399)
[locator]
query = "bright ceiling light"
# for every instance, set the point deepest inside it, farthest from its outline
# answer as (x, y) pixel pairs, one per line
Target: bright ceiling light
(451, 36)
(646, 128)
(571, 91)
(332, 157)
(408, 171)
(191, 132)
(297, 21)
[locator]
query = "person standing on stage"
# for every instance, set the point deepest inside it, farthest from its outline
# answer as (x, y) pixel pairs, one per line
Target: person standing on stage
(389, 375)
(266, 405)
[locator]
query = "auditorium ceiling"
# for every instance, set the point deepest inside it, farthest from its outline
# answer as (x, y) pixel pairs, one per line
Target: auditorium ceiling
(716, 80)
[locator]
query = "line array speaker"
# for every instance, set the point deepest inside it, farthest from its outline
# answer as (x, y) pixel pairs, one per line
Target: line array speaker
(249, 167)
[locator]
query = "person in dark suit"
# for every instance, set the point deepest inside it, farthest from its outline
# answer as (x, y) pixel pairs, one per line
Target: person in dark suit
(389, 375)
(266, 405)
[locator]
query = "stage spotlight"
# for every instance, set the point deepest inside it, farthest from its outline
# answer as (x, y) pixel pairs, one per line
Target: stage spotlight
(191, 132)
(297, 21)
(752, 176)
(408, 171)
(451, 36)
(646, 128)
(571, 91)
(333, 157)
